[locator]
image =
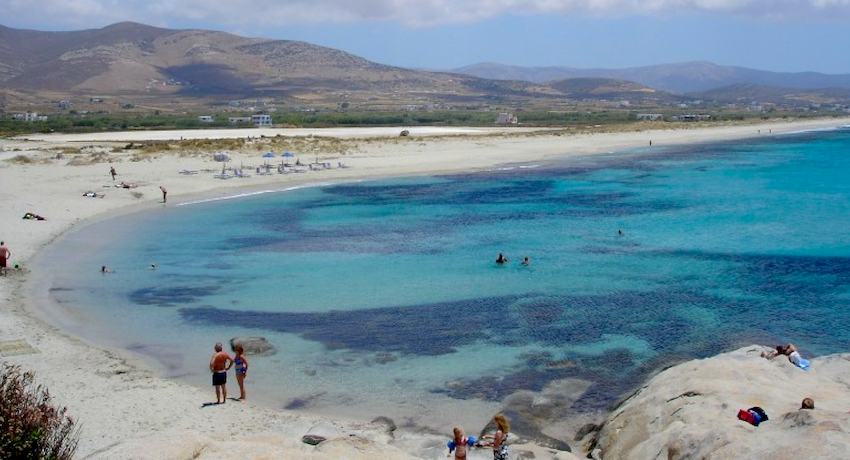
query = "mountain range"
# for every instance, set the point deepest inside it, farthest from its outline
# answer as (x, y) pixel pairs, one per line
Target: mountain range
(135, 62)
(680, 78)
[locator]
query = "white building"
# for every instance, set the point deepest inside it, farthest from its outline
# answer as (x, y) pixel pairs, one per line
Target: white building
(237, 120)
(206, 119)
(505, 118)
(261, 120)
(650, 116)
(29, 117)
(692, 117)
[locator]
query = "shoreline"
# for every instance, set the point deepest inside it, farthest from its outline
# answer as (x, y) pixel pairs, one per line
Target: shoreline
(49, 188)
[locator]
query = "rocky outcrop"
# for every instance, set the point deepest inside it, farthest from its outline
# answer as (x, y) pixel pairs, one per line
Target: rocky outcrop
(320, 433)
(690, 411)
(254, 345)
(384, 425)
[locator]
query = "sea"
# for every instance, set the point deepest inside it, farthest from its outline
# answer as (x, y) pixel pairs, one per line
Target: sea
(382, 297)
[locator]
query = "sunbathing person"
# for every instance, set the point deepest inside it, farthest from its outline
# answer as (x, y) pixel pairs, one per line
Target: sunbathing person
(791, 352)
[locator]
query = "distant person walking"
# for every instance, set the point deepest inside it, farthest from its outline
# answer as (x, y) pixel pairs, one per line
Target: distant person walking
(164, 194)
(112, 172)
(5, 254)
(220, 363)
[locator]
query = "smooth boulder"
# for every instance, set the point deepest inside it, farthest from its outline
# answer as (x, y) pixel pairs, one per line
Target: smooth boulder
(254, 345)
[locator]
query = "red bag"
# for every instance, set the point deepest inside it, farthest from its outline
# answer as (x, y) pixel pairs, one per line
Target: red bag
(746, 416)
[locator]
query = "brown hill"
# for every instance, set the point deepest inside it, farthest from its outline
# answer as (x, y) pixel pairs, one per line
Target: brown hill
(129, 59)
(786, 97)
(602, 88)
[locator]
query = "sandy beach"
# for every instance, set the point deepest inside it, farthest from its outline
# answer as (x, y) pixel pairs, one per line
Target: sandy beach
(125, 409)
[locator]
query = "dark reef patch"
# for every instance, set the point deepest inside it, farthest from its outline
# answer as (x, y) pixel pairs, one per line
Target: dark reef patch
(167, 297)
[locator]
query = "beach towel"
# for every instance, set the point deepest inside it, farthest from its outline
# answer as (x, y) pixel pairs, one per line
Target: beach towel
(798, 360)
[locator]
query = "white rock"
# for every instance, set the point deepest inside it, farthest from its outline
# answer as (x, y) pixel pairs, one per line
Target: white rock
(690, 411)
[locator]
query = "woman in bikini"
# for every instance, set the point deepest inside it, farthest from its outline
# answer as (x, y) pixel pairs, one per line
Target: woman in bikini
(499, 441)
(241, 365)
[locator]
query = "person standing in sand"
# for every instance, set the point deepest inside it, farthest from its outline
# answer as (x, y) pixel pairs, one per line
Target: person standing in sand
(112, 172)
(4, 257)
(220, 363)
(241, 364)
(164, 193)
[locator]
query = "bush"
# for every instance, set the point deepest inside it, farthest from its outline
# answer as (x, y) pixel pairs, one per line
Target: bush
(21, 159)
(30, 426)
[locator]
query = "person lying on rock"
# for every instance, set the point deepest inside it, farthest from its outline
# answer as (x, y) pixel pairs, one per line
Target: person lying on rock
(791, 352)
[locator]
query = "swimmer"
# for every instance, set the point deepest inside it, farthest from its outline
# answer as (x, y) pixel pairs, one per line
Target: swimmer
(525, 261)
(501, 259)
(105, 270)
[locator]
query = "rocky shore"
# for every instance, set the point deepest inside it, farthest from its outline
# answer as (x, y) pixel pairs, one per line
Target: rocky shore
(690, 411)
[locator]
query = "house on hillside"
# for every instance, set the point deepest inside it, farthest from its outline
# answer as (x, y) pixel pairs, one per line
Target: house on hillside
(261, 120)
(239, 120)
(206, 119)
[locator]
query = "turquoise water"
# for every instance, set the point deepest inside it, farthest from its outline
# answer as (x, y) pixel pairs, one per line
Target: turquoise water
(383, 299)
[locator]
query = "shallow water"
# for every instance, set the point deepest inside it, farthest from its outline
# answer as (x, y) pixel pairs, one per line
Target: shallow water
(383, 299)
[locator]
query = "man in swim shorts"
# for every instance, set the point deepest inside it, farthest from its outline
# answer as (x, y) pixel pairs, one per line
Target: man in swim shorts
(220, 363)
(4, 256)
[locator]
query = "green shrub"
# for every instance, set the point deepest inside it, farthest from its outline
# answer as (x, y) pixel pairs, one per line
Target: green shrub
(31, 428)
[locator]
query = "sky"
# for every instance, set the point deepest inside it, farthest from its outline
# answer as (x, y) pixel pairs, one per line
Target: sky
(775, 35)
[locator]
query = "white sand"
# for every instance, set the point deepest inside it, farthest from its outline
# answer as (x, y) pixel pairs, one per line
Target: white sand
(125, 409)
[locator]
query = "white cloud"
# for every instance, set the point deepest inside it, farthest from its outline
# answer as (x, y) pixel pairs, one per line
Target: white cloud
(243, 14)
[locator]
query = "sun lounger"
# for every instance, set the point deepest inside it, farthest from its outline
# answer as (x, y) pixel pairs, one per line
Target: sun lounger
(189, 171)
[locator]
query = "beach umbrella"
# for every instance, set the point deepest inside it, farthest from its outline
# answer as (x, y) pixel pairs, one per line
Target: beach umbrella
(268, 155)
(287, 155)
